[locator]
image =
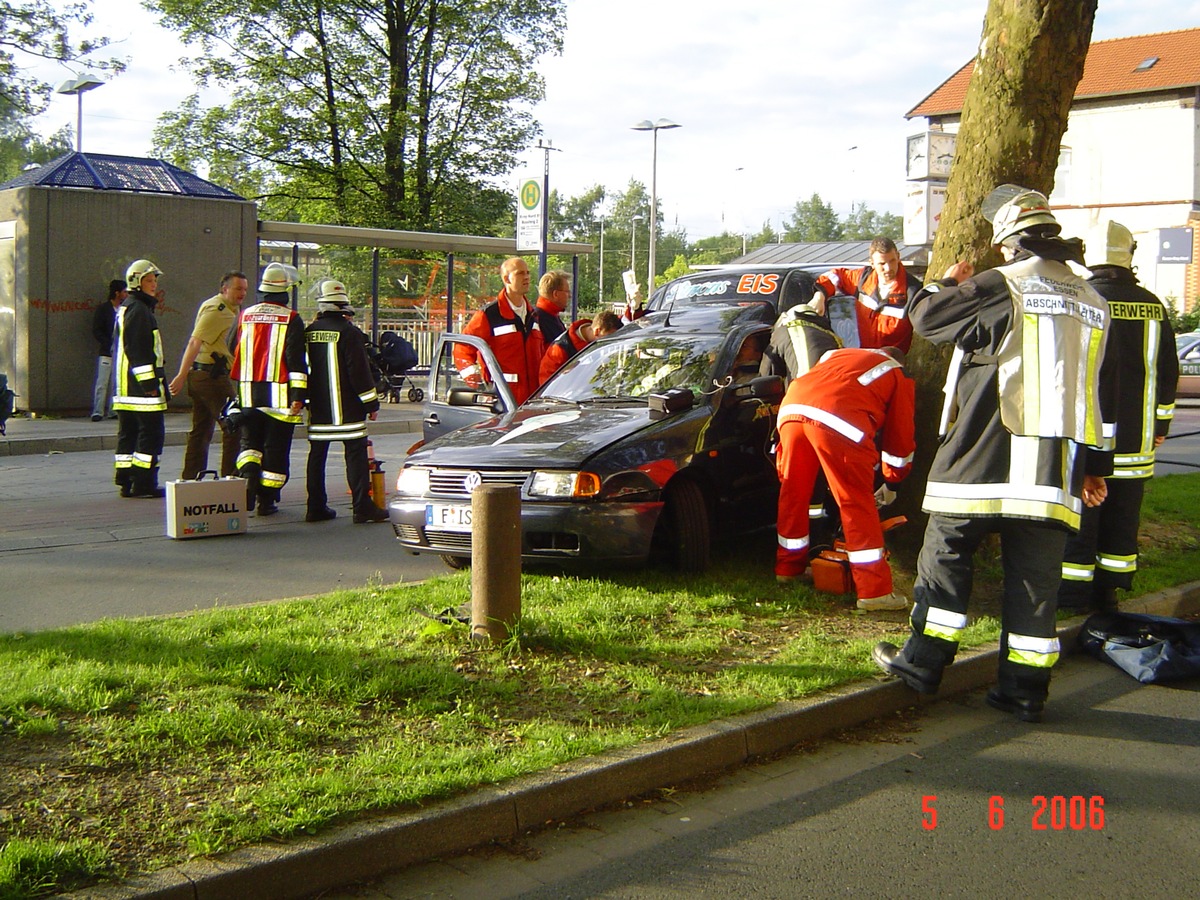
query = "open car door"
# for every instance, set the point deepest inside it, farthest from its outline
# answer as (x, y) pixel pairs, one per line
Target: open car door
(452, 402)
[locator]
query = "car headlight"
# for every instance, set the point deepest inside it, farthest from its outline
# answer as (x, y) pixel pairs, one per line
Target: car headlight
(413, 480)
(575, 485)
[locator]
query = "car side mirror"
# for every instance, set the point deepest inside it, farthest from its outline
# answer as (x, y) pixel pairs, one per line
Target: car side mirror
(765, 387)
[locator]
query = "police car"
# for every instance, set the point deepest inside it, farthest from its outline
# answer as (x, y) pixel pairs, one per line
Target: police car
(1188, 348)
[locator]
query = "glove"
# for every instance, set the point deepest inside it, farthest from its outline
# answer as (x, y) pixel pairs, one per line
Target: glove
(885, 496)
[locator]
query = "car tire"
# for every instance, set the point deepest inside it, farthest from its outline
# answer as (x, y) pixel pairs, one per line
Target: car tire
(689, 534)
(456, 562)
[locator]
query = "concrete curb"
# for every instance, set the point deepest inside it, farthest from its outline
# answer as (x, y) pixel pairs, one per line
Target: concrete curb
(369, 849)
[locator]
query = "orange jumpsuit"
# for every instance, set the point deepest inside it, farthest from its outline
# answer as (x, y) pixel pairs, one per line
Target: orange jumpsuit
(882, 321)
(828, 421)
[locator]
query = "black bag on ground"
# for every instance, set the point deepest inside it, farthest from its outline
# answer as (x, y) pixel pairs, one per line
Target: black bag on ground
(1150, 648)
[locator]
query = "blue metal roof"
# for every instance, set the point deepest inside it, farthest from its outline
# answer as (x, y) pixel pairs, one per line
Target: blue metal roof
(103, 172)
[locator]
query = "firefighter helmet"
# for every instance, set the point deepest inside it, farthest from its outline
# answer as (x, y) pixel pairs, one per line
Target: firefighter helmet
(1109, 244)
(332, 297)
(1012, 209)
(139, 269)
(278, 277)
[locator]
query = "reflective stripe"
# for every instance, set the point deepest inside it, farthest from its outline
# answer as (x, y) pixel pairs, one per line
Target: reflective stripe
(248, 457)
(142, 461)
(346, 431)
(944, 624)
(793, 543)
(470, 371)
(368, 396)
(877, 372)
(896, 462)
(272, 479)
(1166, 410)
(895, 312)
(1133, 472)
(860, 557)
(1077, 572)
(509, 376)
(816, 512)
(1117, 563)
(504, 329)
(1040, 653)
(841, 426)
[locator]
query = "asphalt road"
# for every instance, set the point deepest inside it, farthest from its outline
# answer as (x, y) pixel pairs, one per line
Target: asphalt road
(72, 551)
(1098, 801)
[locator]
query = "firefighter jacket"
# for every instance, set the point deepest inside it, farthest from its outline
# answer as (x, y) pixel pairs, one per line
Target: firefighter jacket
(1018, 318)
(269, 363)
(563, 348)
(1141, 340)
(882, 321)
(341, 389)
(516, 343)
(139, 376)
(858, 394)
(798, 340)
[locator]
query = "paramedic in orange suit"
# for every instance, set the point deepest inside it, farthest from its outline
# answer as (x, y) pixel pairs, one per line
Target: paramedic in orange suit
(828, 421)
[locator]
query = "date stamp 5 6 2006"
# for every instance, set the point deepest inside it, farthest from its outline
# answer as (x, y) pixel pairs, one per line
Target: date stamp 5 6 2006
(1057, 813)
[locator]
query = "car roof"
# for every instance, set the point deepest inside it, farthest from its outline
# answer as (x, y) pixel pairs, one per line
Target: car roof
(703, 318)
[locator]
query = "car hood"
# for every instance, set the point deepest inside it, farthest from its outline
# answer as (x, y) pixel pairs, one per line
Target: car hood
(544, 435)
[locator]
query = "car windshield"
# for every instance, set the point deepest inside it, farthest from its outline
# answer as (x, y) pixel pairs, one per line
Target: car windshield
(642, 364)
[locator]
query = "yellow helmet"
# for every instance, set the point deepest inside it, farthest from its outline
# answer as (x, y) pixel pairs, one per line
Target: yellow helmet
(139, 269)
(278, 277)
(1109, 244)
(1011, 209)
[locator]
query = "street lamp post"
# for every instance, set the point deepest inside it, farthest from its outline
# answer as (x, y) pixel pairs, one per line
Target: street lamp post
(79, 86)
(633, 242)
(601, 290)
(647, 125)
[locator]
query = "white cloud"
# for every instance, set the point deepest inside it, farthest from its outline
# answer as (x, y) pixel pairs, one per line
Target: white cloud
(802, 98)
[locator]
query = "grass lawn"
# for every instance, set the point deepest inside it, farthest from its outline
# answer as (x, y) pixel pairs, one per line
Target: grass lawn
(129, 745)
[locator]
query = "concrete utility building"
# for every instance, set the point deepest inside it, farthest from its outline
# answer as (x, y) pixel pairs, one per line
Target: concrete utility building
(60, 246)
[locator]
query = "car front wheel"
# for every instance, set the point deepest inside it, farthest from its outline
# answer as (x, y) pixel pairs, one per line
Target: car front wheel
(688, 536)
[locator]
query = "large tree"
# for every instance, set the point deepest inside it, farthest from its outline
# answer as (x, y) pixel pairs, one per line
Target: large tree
(388, 113)
(1029, 63)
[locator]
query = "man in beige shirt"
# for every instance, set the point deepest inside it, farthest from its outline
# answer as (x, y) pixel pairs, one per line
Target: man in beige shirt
(205, 370)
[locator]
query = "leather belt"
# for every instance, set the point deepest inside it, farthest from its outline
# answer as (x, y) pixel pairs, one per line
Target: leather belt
(203, 367)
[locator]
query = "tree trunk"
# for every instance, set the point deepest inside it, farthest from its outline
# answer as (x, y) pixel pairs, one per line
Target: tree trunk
(1030, 60)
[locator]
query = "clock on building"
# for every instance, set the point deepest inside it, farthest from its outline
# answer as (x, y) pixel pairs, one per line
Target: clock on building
(929, 155)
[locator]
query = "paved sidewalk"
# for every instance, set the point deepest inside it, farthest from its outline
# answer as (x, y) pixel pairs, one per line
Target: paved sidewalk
(67, 434)
(367, 850)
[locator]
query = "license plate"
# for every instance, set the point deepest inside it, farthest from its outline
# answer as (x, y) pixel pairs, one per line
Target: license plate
(445, 517)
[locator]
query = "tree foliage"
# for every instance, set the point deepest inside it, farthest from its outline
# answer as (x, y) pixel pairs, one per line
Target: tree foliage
(32, 30)
(385, 113)
(812, 220)
(864, 224)
(20, 146)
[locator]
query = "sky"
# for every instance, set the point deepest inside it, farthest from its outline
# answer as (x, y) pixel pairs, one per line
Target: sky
(775, 101)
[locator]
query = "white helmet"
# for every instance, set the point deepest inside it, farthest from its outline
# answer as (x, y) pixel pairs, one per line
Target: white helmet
(1012, 209)
(278, 277)
(1109, 244)
(139, 269)
(332, 297)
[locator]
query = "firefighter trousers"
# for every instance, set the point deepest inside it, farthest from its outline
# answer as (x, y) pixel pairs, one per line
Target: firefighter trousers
(1103, 555)
(264, 460)
(1031, 553)
(358, 475)
(807, 448)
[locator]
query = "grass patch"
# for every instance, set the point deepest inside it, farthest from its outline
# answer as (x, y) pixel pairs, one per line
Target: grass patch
(129, 745)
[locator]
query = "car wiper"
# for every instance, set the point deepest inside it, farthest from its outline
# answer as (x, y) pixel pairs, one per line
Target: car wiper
(614, 398)
(553, 399)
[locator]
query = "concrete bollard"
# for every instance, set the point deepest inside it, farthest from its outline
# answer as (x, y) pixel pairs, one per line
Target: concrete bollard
(495, 561)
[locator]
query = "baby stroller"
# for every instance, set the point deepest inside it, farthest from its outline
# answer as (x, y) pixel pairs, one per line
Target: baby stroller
(395, 364)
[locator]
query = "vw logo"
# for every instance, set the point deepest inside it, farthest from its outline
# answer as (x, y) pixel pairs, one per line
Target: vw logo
(472, 481)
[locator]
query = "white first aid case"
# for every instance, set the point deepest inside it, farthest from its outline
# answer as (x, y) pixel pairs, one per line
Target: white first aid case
(206, 507)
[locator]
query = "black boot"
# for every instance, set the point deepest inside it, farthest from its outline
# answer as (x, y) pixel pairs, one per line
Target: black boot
(145, 484)
(268, 503)
(124, 482)
(1104, 599)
